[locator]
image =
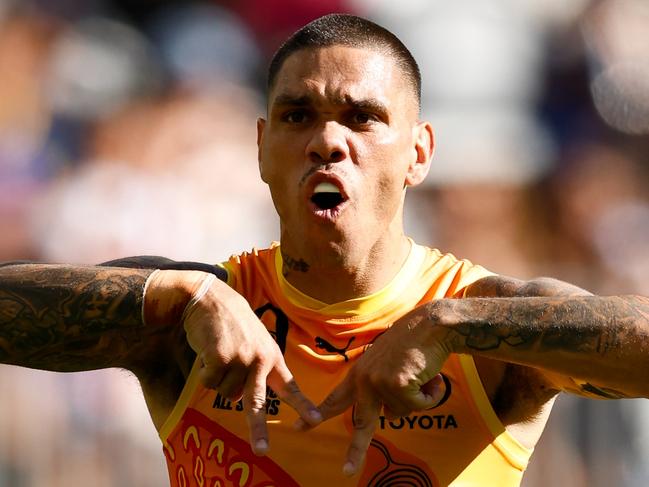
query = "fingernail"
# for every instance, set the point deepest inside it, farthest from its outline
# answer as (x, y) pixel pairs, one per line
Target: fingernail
(349, 469)
(261, 447)
(299, 424)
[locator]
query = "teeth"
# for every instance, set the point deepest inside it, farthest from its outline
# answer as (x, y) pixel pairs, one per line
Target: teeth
(326, 188)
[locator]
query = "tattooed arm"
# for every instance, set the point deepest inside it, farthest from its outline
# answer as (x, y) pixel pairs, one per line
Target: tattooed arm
(603, 342)
(518, 392)
(70, 318)
(67, 318)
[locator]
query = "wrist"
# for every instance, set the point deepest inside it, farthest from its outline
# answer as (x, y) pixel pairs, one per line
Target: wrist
(443, 319)
(167, 293)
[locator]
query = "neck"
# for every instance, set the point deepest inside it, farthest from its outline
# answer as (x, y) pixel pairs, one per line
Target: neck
(346, 270)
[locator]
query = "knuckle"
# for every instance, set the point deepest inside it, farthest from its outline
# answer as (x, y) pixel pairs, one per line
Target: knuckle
(214, 358)
(392, 383)
(257, 403)
(361, 422)
(353, 450)
(356, 451)
(291, 387)
(210, 381)
(211, 377)
(245, 353)
(293, 398)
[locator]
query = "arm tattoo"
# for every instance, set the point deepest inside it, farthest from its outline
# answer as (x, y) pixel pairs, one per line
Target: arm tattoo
(541, 323)
(572, 336)
(70, 318)
(568, 330)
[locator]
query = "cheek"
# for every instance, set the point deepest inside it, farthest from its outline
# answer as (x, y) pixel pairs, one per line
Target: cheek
(389, 193)
(385, 184)
(382, 190)
(389, 168)
(273, 162)
(280, 174)
(283, 200)
(390, 150)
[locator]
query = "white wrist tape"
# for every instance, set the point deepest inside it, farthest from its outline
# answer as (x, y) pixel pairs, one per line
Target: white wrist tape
(145, 289)
(198, 295)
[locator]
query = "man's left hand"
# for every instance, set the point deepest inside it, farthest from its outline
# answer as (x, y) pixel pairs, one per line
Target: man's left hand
(399, 374)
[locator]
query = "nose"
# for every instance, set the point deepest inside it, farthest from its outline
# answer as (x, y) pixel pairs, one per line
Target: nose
(328, 143)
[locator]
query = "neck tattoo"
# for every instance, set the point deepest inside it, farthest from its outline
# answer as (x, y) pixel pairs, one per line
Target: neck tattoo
(291, 264)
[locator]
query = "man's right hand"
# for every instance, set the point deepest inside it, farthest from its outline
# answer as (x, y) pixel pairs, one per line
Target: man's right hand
(238, 356)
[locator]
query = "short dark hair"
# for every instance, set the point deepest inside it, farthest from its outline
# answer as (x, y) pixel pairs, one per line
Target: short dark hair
(352, 31)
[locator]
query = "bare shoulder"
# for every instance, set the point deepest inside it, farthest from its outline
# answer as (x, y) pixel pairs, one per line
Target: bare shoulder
(510, 287)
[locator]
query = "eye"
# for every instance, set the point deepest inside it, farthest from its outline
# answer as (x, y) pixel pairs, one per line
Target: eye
(362, 118)
(295, 116)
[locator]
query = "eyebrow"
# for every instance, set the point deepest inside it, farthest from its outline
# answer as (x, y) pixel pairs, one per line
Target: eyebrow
(286, 99)
(367, 104)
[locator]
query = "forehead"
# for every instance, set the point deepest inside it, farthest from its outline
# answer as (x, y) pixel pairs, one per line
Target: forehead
(340, 72)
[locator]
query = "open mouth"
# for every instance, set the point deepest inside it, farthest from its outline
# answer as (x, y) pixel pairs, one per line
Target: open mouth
(326, 196)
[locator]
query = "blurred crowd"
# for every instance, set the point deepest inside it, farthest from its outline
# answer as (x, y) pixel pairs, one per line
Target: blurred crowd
(128, 127)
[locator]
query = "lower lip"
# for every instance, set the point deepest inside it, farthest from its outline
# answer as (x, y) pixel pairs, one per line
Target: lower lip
(330, 215)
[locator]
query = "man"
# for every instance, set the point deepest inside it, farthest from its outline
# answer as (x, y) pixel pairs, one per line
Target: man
(415, 386)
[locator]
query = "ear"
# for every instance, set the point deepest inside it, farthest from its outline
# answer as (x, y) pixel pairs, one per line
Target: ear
(424, 145)
(261, 124)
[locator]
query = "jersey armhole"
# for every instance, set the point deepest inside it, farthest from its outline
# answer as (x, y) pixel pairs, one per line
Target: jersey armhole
(511, 449)
(226, 266)
(181, 404)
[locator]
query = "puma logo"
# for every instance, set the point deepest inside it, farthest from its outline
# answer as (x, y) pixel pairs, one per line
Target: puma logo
(325, 345)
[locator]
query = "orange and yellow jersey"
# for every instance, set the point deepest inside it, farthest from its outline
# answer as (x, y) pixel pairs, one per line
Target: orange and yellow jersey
(460, 442)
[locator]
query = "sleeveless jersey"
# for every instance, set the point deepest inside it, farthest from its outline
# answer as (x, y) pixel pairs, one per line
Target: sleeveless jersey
(459, 442)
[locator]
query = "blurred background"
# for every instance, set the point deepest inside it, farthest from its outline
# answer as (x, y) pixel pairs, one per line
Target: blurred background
(128, 127)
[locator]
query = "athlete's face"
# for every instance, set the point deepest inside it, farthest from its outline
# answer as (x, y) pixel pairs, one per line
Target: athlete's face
(340, 145)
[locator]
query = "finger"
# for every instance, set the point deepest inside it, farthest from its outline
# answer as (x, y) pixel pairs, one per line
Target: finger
(434, 390)
(254, 404)
(391, 414)
(337, 402)
(397, 405)
(365, 418)
(291, 394)
(233, 382)
(211, 377)
(282, 382)
(415, 397)
(402, 401)
(339, 399)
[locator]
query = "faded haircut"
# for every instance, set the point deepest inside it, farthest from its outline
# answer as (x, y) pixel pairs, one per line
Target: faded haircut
(351, 31)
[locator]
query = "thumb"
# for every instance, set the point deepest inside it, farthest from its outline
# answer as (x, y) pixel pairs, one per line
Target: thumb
(434, 390)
